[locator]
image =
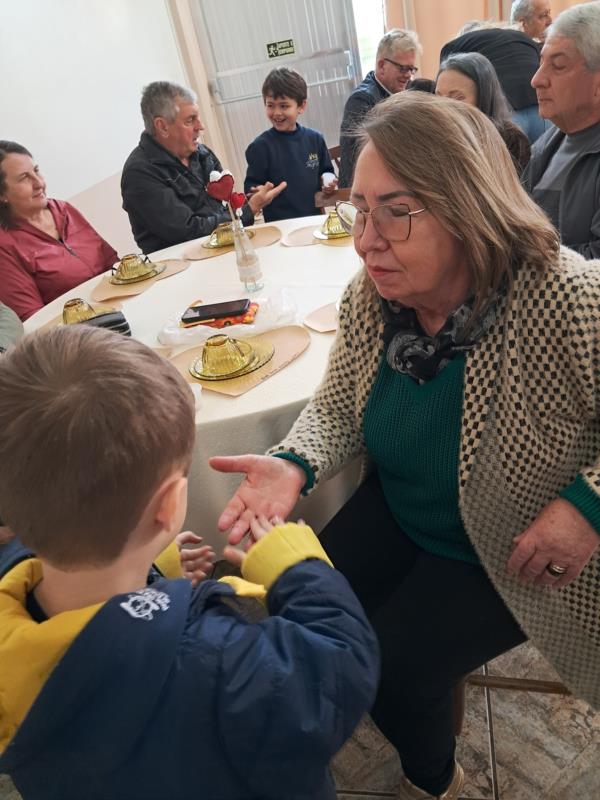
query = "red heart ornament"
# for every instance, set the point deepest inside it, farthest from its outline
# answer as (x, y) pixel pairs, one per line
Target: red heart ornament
(221, 189)
(237, 200)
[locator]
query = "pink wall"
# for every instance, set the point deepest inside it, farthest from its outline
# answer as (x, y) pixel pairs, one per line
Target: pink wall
(100, 204)
(438, 21)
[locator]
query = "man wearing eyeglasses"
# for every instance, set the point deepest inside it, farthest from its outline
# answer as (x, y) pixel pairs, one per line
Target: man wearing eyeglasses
(395, 65)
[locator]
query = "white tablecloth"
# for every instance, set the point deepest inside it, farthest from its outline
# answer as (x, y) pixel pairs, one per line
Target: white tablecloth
(314, 275)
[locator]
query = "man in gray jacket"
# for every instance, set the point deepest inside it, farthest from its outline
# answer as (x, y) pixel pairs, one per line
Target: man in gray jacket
(563, 176)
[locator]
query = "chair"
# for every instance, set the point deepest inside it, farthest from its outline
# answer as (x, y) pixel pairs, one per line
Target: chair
(487, 681)
(335, 154)
(323, 201)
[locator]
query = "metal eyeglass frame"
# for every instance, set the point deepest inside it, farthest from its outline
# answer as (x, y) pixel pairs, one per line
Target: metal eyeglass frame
(404, 68)
(409, 214)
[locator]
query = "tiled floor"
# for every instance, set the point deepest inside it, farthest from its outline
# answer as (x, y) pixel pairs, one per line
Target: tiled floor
(547, 747)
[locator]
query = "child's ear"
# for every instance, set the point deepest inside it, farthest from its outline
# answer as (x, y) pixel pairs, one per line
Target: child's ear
(302, 106)
(171, 503)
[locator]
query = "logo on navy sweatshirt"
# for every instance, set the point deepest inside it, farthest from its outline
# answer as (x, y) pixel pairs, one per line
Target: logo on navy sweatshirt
(312, 161)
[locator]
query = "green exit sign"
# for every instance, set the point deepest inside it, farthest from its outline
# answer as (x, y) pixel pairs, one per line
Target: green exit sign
(283, 48)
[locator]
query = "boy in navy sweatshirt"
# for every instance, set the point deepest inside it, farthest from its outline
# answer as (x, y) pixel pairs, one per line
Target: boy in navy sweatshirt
(289, 152)
(123, 686)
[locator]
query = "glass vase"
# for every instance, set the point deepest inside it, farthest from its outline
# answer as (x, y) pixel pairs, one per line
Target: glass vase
(247, 260)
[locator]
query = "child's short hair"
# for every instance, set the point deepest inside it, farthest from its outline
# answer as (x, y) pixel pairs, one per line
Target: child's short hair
(421, 85)
(91, 423)
(284, 82)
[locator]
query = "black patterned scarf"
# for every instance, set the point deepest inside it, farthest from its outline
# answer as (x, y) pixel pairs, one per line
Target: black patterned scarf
(413, 352)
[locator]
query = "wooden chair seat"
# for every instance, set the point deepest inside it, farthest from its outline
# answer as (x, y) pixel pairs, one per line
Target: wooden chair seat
(488, 681)
(323, 201)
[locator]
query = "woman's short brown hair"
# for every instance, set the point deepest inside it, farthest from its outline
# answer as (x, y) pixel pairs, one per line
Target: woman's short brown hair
(452, 157)
(91, 423)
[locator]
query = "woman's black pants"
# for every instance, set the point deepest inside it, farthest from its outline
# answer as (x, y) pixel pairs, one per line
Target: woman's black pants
(437, 619)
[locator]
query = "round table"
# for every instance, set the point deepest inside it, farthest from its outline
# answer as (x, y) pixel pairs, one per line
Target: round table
(315, 275)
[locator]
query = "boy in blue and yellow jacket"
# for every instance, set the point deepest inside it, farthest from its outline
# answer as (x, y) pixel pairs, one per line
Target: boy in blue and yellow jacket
(118, 686)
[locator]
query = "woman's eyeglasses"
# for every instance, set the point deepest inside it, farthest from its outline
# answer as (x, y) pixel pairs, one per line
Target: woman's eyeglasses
(406, 69)
(392, 222)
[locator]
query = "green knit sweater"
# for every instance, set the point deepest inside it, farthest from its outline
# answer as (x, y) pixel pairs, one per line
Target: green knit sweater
(412, 433)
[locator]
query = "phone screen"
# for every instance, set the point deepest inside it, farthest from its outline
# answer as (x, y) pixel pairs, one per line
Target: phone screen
(232, 308)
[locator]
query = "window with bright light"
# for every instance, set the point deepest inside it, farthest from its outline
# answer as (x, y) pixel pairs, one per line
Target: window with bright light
(369, 21)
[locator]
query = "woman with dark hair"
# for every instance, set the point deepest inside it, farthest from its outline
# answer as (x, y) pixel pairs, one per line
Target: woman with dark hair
(46, 246)
(471, 78)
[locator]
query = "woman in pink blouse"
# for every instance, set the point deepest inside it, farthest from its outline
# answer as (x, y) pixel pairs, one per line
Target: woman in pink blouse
(46, 246)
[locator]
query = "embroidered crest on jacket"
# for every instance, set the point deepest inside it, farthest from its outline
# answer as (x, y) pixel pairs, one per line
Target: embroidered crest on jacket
(144, 603)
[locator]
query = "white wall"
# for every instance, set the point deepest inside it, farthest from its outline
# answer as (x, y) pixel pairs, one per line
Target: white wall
(73, 73)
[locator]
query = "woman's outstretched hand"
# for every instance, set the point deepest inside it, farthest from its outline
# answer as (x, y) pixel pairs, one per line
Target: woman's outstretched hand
(271, 488)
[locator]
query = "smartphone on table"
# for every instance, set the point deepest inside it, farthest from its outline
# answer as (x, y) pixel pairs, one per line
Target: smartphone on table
(209, 311)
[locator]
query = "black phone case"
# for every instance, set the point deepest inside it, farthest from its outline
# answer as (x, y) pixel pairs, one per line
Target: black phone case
(204, 314)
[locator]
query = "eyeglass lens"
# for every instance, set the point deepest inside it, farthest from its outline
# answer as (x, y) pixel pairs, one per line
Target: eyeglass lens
(405, 68)
(390, 221)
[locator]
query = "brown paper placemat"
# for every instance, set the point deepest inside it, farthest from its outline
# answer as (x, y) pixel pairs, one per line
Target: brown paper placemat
(323, 319)
(289, 343)
(105, 290)
(302, 237)
(263, 237)
(58, 320)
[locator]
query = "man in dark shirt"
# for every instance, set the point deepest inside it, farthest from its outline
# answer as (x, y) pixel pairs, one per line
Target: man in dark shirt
(395, 65)
(164, 179)
(515, 57)
(563, 175)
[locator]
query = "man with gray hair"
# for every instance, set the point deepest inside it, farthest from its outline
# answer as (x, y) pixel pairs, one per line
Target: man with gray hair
(164, 179)
(534, 17)
(563, 175)
(394, 67)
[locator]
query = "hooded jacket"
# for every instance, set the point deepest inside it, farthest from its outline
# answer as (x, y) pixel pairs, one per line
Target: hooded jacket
(169, 692)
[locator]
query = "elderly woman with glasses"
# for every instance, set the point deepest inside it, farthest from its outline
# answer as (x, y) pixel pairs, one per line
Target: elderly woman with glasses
(466, 373)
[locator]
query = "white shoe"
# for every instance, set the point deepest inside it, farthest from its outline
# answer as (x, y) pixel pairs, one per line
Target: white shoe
(408, 791)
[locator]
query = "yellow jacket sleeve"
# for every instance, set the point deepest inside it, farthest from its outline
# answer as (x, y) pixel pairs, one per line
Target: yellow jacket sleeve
(284, 546)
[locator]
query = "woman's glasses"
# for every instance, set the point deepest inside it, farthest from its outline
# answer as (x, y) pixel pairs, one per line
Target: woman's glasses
(392, 222)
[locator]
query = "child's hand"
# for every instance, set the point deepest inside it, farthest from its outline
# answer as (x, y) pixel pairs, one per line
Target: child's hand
(196, 562)
(330, 186)
(259, 527)
(264, 195)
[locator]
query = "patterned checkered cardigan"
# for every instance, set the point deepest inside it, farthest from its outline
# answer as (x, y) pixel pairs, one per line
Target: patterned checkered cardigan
(530, 423)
